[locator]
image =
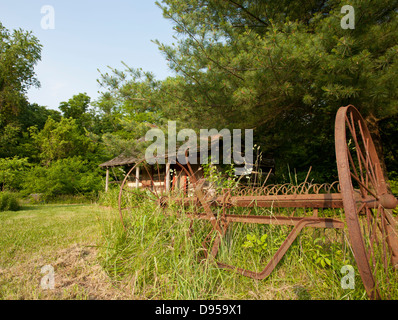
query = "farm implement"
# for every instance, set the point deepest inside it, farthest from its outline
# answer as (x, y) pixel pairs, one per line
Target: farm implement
(360, 203)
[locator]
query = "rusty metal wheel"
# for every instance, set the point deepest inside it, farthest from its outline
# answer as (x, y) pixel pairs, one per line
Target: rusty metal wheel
(141, 183)
(367, 203)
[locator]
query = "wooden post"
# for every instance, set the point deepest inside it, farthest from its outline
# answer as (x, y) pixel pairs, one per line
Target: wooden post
(107, 179)
(167, 177)
(137, 177)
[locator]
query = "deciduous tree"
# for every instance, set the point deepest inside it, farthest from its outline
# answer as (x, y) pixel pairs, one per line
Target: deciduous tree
(19, 53)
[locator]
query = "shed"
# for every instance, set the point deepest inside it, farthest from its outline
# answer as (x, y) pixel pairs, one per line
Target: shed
(169, 175)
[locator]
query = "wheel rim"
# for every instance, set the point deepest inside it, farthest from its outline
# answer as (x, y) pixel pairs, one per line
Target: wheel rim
(372, 231)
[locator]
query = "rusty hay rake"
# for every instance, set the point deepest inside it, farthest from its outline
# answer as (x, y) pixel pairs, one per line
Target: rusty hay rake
(362, 192)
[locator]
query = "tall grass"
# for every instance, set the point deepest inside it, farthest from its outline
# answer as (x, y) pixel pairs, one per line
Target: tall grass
(161, 254)
(159, 257)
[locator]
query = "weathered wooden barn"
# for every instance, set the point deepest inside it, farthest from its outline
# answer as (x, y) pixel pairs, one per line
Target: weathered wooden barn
(170, 175)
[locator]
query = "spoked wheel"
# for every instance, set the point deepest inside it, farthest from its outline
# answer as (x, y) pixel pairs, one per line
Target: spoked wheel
(142, 182)
(367, 203)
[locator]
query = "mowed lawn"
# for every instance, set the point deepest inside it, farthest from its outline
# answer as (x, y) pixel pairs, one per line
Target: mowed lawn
(64, 237)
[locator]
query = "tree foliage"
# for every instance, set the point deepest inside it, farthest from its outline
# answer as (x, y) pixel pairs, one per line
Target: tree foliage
(77, 108)
(12, 171)
(72, 175)
(60, 140)
(282, 68)
(129, 106)
(19, 53)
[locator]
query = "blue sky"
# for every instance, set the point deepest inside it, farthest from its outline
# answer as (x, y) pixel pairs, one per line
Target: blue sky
(89, 35)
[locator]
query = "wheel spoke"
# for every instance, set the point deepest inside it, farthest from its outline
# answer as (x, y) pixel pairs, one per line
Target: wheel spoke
(355, 173)
(361, 160)
(351, 127)
(366, 146)
(363, 185)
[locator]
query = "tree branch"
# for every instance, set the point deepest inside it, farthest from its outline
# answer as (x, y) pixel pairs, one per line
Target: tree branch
(248, 12)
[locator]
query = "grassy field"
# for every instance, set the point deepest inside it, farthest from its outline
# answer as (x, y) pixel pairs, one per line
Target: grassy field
(62, 236)
(158, 256)
(161, 255)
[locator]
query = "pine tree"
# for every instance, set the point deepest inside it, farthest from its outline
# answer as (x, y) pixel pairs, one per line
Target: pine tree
(282, 68)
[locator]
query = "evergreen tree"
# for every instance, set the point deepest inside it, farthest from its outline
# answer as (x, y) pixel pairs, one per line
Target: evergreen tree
(282, 68)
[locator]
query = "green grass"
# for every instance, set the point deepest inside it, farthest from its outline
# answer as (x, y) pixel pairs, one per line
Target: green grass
(45, 228)
(161, 256)
(63, 236)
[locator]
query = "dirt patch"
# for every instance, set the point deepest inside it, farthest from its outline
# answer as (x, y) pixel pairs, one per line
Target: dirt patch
(77, 272)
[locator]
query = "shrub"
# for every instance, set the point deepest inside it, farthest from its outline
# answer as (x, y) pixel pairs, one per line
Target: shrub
(394, 186)
(9, 202)
(70, 176)
(12, 171)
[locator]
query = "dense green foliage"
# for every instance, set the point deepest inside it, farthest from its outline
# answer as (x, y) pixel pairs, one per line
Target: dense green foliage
(12, 171)
(44, 152)
(19, 53)
(283, 69)
(9, 202)
(59, 140)
(65, 176)
(278, 67)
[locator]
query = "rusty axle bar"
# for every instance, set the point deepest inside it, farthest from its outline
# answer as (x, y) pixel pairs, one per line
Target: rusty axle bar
(328, 200)
(315, 222)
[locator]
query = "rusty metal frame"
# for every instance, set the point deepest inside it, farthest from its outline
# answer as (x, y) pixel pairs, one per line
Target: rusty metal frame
(354, 202)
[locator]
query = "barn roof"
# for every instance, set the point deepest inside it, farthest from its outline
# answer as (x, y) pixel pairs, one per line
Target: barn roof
(120, 160)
